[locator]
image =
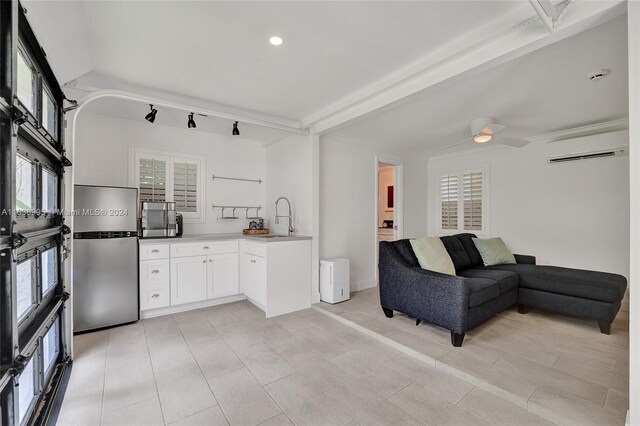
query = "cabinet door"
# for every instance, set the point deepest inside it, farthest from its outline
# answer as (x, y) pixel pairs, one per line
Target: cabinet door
(247, 274)
(188, 279)
(223, 275)
(260, 278)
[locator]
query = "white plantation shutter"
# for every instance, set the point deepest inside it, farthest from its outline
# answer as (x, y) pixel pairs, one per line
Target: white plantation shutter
(185, 186)
(449, 202)
(166, 176)
(472, 184)
(152, 180)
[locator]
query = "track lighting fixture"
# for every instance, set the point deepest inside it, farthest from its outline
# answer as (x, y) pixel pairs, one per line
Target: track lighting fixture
(236, 132)
(191, 124)
(151, 117)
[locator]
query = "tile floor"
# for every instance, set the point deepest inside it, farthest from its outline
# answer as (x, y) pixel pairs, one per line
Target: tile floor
(229, 365)
(559, 367)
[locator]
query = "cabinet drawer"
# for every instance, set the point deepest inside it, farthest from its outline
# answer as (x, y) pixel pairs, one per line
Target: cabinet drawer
(256, 249)
(154, 251)
(204, 248)
(154, 296)
(154, 272)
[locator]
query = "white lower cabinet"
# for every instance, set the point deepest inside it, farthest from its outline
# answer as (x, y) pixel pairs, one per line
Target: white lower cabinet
(253, 272)
(222, 275)
(188, 279)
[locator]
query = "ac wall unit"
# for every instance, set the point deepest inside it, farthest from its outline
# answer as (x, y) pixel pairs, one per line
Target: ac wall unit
(616, 152)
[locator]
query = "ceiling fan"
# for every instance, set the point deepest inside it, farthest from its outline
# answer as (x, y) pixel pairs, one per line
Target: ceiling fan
(485, 130)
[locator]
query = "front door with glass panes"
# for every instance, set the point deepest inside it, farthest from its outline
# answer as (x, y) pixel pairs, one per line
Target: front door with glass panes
(33, 301)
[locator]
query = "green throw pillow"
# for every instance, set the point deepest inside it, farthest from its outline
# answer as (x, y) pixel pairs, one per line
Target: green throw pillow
(494, 251)
(432, 255)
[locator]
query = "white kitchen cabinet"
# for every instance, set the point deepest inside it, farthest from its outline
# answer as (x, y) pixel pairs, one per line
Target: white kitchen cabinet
(222, 275)
(254, 279)
(188, 279)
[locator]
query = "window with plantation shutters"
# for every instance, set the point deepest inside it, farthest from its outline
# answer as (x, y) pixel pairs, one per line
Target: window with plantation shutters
(152, 183)
(185, 186)
(461, 202)
(472, 184)
(449, 202)
(165, 176)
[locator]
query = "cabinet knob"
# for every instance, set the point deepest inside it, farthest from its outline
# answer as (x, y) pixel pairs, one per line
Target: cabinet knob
(155, 271)
(205, 248)
(253, 261)
(155, 296)
(204, 261)
(155, 251)
(210, 260)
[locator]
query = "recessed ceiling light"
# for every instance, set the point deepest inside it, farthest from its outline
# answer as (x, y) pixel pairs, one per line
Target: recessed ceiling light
(276, 41)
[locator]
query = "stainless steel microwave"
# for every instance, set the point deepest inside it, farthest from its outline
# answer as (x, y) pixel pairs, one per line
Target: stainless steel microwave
(158, 219)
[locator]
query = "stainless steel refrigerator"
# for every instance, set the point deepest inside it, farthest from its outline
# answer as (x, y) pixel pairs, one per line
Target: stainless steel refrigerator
(105, 257)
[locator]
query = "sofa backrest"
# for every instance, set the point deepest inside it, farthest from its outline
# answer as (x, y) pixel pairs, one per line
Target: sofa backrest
(404, 249)
(462, 250)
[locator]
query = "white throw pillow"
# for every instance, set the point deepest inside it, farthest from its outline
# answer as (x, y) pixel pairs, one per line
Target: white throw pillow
(432, 255)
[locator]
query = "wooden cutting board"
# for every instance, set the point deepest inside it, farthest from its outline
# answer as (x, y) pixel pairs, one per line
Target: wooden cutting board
(255, 231)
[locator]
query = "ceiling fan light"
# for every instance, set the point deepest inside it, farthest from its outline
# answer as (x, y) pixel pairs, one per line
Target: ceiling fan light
(482, 138)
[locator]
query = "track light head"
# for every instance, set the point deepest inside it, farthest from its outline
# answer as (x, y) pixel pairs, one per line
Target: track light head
(191, 124)
(236, 132)
(151, 117)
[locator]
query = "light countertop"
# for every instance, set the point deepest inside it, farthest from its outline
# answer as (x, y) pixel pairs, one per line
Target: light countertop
(270, 238)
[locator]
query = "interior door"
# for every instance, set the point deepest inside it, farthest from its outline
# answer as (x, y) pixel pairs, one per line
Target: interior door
(223, 275)
(188, 279)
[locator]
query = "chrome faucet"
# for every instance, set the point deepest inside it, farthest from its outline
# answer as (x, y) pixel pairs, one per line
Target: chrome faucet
(289, 215)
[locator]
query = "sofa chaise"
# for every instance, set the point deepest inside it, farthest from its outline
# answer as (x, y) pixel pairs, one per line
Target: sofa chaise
(476, 293)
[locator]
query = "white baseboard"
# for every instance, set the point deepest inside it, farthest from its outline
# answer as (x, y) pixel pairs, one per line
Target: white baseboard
(362, 285)
(151, 313)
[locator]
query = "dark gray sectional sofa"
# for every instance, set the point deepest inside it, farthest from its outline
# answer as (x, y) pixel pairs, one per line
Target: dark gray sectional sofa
(477, 293)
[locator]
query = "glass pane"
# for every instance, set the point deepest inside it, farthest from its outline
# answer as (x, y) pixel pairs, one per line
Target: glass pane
(26, 390)
(49, 261)
(49, 191)
(25, 83)
(24, 184)
(24, 272)
(50, 347)
(49, 114)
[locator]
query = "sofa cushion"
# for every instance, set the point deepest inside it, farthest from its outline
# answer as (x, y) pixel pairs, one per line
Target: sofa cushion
(482, 290)
(494, 251)
(404, 249)
(592, 285)
(467, 242)
(432, 255)
(507, 280)
(456, 251)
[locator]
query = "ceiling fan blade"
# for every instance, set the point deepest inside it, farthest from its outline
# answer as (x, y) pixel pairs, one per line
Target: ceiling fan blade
(514, 142)
(492, 128)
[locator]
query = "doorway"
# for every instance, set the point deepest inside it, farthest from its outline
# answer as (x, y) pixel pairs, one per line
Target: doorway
(388, 207)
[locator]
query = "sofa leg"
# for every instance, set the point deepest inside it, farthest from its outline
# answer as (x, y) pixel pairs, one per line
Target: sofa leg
(605, 327)
(418, 322)
(523, 309)
(456, 339)
(387, 312)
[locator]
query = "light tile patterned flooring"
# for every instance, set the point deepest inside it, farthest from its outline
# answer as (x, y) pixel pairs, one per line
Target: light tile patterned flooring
(560, 367)
(229, 365)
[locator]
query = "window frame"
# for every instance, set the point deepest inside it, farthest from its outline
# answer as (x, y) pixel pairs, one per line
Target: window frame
(460, 172)
(136, 154)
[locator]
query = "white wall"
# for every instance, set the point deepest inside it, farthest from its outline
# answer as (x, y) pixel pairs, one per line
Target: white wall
(573, 214)
(102, 158)
(288, 174)
(348, 173)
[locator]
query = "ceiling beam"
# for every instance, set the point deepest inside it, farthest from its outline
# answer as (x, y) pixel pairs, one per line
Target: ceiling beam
(501, 47)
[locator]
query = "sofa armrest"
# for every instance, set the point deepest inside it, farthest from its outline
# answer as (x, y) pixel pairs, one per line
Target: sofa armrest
(525, 259)
(431, 296)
